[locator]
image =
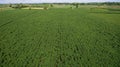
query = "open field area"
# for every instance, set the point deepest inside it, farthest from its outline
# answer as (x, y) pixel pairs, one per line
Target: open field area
(60, 37)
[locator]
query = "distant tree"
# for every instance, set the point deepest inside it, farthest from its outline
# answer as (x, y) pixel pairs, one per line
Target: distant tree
(45, 8)
(51, 5)
(82, 3)
(18, 6)
(29, 7)
(10, 5)
(76, 5)
(21, 5)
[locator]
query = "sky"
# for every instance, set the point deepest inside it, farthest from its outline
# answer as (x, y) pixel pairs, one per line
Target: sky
(54, 1)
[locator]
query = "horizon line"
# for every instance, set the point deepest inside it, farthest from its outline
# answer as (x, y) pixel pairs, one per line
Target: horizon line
(59, 2)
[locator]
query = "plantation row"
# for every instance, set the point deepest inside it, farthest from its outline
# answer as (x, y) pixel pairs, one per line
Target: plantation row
(59, 38)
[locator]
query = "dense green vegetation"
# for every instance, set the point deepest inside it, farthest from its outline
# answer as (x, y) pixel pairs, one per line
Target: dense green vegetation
(38, 5)
(57, 37)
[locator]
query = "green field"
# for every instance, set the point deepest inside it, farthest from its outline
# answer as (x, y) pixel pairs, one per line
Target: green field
(60, 37)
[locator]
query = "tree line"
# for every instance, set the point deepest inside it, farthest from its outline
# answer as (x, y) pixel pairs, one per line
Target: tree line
(20, 5)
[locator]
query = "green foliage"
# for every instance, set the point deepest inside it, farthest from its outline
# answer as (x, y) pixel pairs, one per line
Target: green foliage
(103, 3)
(51, 5)
(19, 6)
(76, 5)
(60, 38)
(10, 5)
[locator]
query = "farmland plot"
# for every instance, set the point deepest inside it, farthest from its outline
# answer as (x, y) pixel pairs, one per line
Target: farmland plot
(59, 38)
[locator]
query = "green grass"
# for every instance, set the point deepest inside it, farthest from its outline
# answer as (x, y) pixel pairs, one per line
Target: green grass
(59, 38)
